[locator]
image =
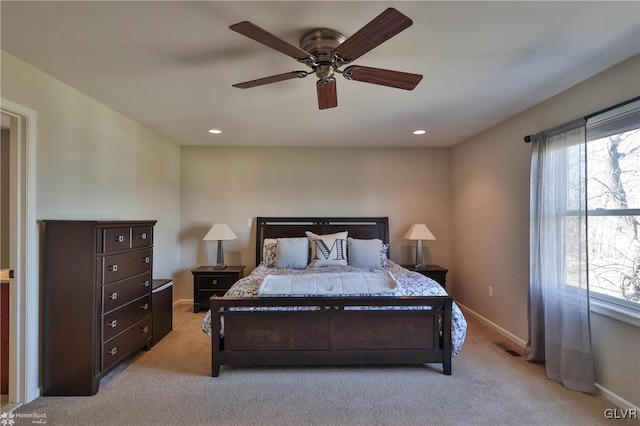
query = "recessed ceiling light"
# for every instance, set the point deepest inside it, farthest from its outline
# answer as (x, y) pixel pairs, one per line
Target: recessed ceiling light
(419, 132)
(215, 131)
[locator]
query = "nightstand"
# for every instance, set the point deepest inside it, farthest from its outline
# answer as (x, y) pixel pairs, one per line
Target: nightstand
(435, 272)
(208, 282)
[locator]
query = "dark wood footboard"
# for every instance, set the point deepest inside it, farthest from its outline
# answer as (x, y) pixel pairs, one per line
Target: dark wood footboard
(331, 331)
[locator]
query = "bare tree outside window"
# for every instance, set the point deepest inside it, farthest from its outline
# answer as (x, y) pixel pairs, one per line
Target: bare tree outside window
(613, 202)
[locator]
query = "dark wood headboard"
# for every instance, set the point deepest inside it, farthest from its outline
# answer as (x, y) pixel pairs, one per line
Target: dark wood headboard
(287, 227)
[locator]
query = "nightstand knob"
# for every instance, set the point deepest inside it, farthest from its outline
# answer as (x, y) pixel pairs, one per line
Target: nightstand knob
(113, 324)
(114, 295)
(214, 282)
(145, 306)
(145, 329)
(146, 259)
(119, 238)
(113, 351)
(146, 283)
(113, 268)
(143, 236)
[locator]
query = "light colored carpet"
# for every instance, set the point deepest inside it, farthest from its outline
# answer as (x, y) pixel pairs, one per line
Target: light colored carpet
(171, 385)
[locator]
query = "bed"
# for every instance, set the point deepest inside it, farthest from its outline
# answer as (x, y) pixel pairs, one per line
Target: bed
(405, 319)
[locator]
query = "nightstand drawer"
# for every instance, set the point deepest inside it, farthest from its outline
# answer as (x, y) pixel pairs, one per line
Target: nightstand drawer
(205, 295)
(215, 282)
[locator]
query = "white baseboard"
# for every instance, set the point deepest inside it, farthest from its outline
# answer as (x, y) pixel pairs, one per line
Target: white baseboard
(616, 399)
(520, 344)
(513, 339)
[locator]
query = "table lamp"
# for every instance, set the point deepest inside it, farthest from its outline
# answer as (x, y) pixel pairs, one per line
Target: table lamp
(419, 232)
(220, 232)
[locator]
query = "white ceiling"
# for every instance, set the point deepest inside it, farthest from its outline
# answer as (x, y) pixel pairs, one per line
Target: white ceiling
(170, 65)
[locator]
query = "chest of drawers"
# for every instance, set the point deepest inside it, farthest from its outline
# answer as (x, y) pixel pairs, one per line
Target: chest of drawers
(97, 300)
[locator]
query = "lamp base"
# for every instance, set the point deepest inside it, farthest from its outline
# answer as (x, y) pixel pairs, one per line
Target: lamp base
(418, 253)
(220, 260)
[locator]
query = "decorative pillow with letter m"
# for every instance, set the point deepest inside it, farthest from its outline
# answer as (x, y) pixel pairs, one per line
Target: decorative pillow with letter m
(326, 250)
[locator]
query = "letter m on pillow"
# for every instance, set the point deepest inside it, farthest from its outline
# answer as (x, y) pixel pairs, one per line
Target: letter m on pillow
(328, 252)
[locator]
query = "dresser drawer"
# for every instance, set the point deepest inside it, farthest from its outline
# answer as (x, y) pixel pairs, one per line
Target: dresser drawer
(141, 237)
(123, 318)
(120, 266)
(215, 282)
(115, 239)
(120, 346)
(120, 293)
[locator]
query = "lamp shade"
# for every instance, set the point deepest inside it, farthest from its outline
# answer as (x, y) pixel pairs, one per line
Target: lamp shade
(220, 231)
(419, 232)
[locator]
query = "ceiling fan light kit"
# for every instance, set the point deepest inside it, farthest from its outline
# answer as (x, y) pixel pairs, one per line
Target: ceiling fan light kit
(325, 50)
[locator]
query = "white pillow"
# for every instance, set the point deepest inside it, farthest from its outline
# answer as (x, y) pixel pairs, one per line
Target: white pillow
(364, 253)
(293, 253)
(326, 250)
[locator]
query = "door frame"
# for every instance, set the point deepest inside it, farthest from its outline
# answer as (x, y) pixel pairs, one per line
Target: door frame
(24, 315)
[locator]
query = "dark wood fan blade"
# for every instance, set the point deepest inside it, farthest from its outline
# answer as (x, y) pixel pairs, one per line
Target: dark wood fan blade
(382, 28)
(327, 93)
(397, 79)
(272, 79)
(256, 33)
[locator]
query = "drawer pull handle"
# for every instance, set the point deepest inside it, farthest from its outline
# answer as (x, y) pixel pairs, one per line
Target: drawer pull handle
(145, 329)
(113, 324)
(114, 295)
(113, 351)
(143, 236)
(146, 259)
(113, 268)
(145, 306)
(214, 282)
(146, 283)
(119, 238)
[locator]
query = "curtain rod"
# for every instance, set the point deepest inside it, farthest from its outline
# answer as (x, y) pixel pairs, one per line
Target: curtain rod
(527, 138)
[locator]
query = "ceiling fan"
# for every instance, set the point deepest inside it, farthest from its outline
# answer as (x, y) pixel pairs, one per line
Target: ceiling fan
(325, 50)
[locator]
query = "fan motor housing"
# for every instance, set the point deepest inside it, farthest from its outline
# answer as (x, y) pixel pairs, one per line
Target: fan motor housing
(321, 42)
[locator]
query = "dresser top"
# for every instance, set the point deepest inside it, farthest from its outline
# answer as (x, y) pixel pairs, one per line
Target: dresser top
(106, 223)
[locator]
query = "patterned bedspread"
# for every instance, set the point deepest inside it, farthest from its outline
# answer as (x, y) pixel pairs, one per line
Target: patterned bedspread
(413, 284)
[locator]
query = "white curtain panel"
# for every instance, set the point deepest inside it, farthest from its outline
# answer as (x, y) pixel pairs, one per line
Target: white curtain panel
(559, 329)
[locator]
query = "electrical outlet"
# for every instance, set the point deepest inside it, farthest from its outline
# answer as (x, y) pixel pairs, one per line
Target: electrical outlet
(490, 291)
(249, 222)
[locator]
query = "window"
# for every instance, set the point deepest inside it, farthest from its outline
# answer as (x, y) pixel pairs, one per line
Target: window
(613, 207)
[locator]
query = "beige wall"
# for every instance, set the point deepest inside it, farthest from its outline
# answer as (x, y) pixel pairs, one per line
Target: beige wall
(229, 185)
(94, 163)
(490, 182)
